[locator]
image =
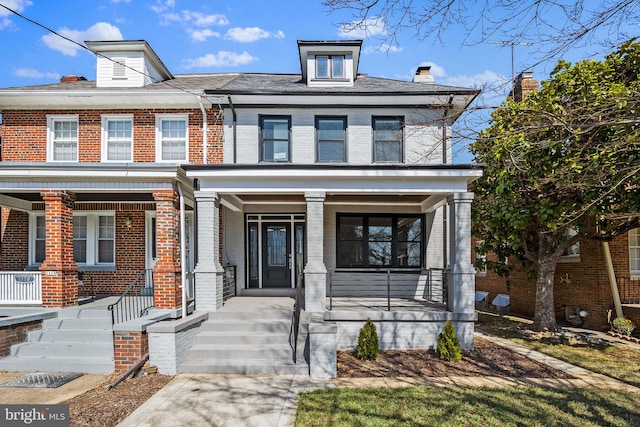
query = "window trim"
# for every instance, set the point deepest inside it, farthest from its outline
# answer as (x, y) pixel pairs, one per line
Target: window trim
(171, 116)
(345, 123)
(394, 241)
(51, 120)
(567, 257)
(105, 119)
(401, 120)
(633, 273)
(330, 67)
(261, 119)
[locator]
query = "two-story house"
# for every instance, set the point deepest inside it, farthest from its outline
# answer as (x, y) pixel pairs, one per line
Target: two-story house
(329, 179)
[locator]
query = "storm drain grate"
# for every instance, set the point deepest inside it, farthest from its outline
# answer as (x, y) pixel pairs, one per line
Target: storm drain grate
(42, 380)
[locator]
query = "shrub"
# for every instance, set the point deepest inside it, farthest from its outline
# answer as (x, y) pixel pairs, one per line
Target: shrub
(622, 326)
(448, 345)
(368, 346)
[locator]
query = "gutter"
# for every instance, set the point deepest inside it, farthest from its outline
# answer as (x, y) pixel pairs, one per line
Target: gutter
(234, 122)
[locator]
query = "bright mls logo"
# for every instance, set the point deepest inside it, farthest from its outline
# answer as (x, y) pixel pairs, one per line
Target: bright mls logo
(34, 415)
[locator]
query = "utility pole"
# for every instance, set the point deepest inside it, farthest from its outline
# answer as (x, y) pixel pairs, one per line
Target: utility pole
(513, 71)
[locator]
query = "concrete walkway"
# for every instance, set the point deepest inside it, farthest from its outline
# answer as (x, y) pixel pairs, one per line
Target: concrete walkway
(270, 401)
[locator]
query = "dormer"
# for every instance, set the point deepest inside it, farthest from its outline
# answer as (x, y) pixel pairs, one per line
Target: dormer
(329, 63)
(127, 63)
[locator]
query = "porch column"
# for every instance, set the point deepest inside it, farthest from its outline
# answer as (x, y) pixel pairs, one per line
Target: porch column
(462, 280)
(208, 270)
(59, 277)
(315, 271)
(166, 272)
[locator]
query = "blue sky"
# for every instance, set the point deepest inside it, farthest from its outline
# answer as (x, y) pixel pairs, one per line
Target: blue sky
(200, 36)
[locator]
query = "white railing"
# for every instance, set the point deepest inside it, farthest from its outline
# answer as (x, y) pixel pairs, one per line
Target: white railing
(20, 287)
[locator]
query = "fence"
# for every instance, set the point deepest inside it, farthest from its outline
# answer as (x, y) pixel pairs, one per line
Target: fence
(20, 287)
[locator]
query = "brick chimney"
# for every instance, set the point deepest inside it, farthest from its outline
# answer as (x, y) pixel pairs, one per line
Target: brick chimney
(71, 78)
(524, 85)
(423, 75)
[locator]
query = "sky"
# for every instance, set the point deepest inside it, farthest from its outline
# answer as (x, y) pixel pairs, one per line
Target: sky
(211, 36)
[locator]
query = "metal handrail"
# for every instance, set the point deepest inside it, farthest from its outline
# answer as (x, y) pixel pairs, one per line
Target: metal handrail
(297, 308)
(139, 299)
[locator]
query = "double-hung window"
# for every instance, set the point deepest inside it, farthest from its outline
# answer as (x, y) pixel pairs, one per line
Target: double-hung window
(117, 138)
(275, 135)
(372, 241)
(388, 138)
(634, 251)
(573, 251)
(171, 141)
(330, 67)
(62, 138)
(331, 137)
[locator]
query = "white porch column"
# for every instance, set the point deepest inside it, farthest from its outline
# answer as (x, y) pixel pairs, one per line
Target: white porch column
(462, 279)
(315, 271)
(208, 270)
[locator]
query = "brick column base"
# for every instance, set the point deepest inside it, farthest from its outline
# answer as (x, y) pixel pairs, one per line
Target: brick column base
(129, 347)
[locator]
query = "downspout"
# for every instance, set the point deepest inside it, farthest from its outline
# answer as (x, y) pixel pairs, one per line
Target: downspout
(183, 253)
(445, 254)
(234, 122)
(612, 280)
(205, 128)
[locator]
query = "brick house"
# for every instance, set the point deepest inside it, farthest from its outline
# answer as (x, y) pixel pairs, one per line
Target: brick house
(338, 176)
(582, 280)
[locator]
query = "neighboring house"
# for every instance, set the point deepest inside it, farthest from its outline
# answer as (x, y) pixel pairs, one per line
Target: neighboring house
(582, 281)
(340, 176)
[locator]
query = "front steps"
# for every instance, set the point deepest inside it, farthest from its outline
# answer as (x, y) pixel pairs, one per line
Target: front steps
(247, 342)
(78, 340)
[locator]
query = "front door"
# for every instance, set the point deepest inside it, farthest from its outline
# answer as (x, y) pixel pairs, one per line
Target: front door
(276, 255)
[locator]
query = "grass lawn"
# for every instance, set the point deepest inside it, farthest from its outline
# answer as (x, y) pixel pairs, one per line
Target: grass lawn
(460, 406)
(622, 363)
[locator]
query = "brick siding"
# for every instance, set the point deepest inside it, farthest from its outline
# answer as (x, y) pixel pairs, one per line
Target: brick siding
(16, 334)
(129, 347)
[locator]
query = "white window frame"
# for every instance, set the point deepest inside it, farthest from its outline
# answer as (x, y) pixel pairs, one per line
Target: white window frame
(159, 139)
(572, 253)
(105, 135)
(51, 121)
(330, 59)
(636, 247)
(33, 218)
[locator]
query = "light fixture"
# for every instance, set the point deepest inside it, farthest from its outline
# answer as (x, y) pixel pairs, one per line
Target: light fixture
(128, 222)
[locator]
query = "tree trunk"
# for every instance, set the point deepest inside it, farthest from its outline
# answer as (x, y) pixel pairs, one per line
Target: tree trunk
(545, 317)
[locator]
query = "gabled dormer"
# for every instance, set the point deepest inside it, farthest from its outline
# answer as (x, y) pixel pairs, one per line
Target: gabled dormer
(127, 63)
(329, 63)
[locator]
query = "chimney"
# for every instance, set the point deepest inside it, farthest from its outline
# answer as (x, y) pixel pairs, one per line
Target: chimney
(423, 75)
(524, 85)
(71, 78)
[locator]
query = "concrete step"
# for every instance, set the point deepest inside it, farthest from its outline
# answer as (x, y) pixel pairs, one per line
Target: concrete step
(239, 338)
(244, 367)
(88, 365)
(260, 326)
(77, 324)
(252, 315)
(71, 336)
(281, 352)
(84, 313)
(62, 349)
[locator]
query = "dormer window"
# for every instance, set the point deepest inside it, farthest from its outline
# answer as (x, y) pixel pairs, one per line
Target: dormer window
(330, 67)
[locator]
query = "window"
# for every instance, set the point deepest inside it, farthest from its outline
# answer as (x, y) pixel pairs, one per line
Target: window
(379, 241)
(331, 139)
(94, 238)
(330, 67)
(387, 139)
(172, 138)
(481, 259)
(572, 251)
(117, 138)
(62, 138)
(634, 251)
(275, 134)
(39, 236)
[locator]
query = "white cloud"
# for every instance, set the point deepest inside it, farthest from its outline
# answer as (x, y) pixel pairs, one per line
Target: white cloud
(16, 5)
(251, 34)
(221, 59)
(201, 20)
(120, 1)
(162, 6)
(202, 35)
(35, 74)
(98, 31)
(485, 79)
(383, 48)
(375, 26)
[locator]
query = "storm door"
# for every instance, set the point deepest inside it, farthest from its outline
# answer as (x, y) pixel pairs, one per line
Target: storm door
(276, 256)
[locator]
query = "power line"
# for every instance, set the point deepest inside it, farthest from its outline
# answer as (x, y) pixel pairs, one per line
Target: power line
(97, 53)
(513, 71)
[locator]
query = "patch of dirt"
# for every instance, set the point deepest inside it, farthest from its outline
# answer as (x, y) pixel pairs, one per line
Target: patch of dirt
(487, 359)
(102, 407)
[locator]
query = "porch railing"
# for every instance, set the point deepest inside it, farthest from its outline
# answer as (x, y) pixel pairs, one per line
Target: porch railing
(20, 287)
(135, 301)
(297, 309)
(629, 290)
(381, 284)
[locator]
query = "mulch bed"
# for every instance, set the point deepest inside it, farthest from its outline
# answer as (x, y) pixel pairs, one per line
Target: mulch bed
(487, 359)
